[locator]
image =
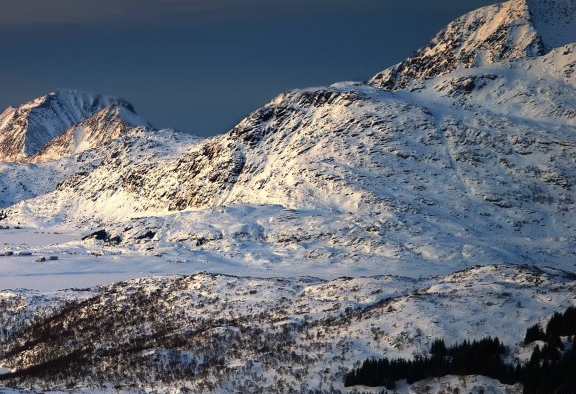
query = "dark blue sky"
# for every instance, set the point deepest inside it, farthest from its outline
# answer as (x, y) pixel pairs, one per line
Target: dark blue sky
(200, 66)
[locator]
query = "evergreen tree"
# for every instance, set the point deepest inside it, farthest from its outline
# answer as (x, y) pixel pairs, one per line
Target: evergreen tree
(438, 348)
(534, 333)
(551, 368)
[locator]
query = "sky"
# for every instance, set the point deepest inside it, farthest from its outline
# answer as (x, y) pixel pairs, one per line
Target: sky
(200, 66)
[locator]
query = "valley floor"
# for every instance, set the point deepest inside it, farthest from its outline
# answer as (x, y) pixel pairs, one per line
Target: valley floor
(80, 266)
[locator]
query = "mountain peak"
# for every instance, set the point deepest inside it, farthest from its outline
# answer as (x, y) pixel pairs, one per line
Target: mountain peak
(88, 99)
(516, 29)
(106, 124)
(25, 130)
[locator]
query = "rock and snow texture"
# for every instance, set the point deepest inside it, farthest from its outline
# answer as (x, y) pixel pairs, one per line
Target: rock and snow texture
(467, 165)
(106, 124)
(209, 333)
(555, 21)
(516, 29)
(462, 155)
(473, 167)
(25, 130)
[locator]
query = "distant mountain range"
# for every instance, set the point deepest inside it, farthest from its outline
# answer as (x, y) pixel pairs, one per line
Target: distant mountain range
(462, 155)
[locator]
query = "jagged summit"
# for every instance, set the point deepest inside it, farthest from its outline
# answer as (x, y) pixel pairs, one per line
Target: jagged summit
(26, 130)
(516, 29)
(106, 124)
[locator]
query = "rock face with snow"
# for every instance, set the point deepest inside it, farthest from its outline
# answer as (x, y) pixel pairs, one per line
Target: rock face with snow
(517, 29)
(106, 124)
(446, 173)
(26, 130)
(470, 167)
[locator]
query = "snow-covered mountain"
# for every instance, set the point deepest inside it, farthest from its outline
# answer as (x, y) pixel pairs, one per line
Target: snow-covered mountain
(471, 167)
(517, 29)
(79, 120)
(448, 173)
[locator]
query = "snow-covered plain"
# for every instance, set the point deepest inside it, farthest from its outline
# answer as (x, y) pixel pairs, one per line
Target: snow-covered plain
(80, 265)
(75, 267)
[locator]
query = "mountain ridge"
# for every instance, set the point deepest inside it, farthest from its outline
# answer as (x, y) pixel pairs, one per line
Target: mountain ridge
(26, 130)
(461, 168)
(517, 29)
(104, 125)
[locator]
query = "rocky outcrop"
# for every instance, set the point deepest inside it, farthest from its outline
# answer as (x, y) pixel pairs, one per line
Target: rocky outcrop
(108, 123)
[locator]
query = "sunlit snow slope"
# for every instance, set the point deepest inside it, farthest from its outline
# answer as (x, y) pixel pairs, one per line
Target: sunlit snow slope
(473, 167)
(461, 155)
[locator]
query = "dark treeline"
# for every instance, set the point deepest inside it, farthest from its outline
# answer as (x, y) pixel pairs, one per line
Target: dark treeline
(551, 369)
(477, 357)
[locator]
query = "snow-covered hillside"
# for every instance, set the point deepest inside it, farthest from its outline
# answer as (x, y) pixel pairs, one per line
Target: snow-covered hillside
(473, 167)
(334, 224)
(229, 334)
